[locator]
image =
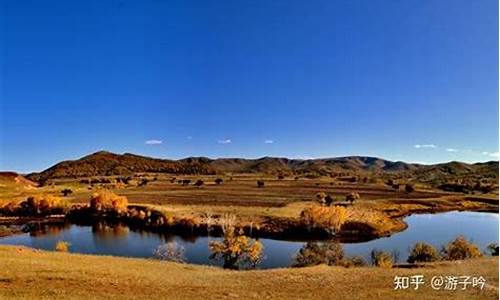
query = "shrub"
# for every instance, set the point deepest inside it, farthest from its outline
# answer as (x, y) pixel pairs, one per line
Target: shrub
(62, 246)
(327, 218)
(381, 259)
(170, 251)
(218, 181)
(106, 201)
(199, 183)
(423, 252)
(460, 248)
(315, 253)
(260, 183)
(143, 182)
(236, 250)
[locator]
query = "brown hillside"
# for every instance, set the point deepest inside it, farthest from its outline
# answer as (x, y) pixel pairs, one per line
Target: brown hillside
(106, 164)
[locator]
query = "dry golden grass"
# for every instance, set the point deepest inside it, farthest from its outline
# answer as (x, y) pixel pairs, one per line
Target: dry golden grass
(30, 274)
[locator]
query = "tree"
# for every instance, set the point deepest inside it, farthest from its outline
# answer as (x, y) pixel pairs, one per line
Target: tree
(381, 259)
(315, 253)
(218, 181)
(320, 197)
(352, 197)
(235, 250)
(423, 252)
(170, 251)
(260, 183)
(199, 183)
(329, 219)
(460, 248)
(493, 249)
(66, 192)
(409, 188)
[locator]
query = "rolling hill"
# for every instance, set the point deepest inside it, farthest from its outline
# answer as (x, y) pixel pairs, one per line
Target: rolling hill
(105, 163)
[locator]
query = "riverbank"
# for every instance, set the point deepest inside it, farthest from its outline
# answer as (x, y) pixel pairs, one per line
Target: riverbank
(33, 274)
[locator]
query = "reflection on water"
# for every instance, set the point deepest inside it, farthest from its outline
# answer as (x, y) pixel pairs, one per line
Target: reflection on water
(119, 240)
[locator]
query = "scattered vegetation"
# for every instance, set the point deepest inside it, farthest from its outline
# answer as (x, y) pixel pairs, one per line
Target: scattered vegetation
(423, 252)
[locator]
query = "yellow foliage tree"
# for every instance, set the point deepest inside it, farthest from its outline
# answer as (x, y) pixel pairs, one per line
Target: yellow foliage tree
(236, 250)
(328, 218)
(105, 200)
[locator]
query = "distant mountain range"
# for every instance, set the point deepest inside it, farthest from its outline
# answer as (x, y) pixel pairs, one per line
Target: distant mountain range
(105, 163)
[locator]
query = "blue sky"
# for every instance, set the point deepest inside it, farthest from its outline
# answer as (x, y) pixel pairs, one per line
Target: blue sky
(412, 80)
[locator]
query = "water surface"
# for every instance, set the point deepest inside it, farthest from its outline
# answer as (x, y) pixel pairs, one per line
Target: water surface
(436, 229)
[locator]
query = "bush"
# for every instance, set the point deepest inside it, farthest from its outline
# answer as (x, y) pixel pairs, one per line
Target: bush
(106, 201)
(170, 251)
(327, 218)
(62, 246)
(218, 181)
(199, 183)
(236, 250)
(260, 183)
(315, 253)
(381, 259)
(460, 248)
(423, 252)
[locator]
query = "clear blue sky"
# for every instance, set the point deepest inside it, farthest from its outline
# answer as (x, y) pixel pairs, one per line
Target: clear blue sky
(411, 80)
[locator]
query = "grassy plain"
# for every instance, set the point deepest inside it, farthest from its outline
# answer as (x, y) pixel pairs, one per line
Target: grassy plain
(32, 274)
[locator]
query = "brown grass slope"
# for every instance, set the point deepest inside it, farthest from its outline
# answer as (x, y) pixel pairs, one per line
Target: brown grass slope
(106, 163)
(30, 274)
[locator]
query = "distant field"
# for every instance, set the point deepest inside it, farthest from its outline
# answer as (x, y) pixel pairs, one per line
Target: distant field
(243, 191)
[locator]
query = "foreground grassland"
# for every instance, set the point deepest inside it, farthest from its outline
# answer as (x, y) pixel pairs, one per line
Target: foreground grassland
(32, 274)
